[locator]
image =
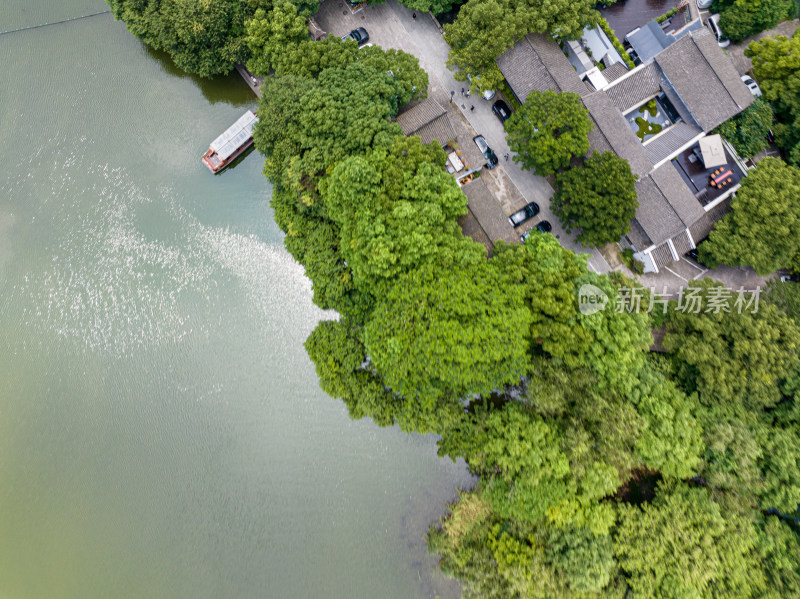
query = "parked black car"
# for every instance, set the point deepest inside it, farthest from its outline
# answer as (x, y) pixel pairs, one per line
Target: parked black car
(694, 255)
(488, 153)
(360, 36)
(525, 214)
(542, 227)
(501, 110)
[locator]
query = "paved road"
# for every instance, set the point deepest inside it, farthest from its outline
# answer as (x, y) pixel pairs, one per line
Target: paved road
(391, 25)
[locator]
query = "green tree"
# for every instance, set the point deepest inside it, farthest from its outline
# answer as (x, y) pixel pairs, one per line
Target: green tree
(748, 130)
(451, 328)
(671, 439)
(682, 545)
(585, 559)
(548, 131)
(785, 296)
(397, 209)
(484, 29)
(609, 343)
(436, 7)
(763, 229)
(776, 66)
(268, 34)
(731, 356)
(599, 198)
(743, 18)
(204, 37)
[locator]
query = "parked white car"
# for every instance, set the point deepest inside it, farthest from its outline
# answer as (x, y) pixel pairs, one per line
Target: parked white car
(751, 85)
(713, 25)
(704, 4)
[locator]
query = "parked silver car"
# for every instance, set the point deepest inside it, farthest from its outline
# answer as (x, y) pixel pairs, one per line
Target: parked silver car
(713, 25)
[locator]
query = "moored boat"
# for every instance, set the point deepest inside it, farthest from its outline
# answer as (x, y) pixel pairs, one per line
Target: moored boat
(235, 140)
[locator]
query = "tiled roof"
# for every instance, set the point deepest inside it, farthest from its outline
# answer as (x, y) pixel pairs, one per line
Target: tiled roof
(440, 129)
(537, 63)
(655, 215)
(616, 133)
(638, 237)
(677, 193)
(615, 71)
(557, 64)
(723, 67)
(676, 102)
(670, 141)
(524, 70)
(704, 78)
(641, 84)
(488, 212)
(420, 115)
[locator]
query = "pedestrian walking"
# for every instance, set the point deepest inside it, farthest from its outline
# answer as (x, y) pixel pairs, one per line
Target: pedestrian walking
(462, 91)
(471, 108)
(414, 16)
(505, 156)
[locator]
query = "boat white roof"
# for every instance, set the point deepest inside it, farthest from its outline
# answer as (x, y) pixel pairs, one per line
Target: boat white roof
(233, 138)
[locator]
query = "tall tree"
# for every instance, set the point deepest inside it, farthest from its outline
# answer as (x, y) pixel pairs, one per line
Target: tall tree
(776, 65)
(682, 545)
(204, 37)
(748, 130)
(763, 229)
(730, 355)
(743, 18)
(449, 329)
(268, 34)
(484, 29)
(548, 131)
(397, 208)
(599, 198)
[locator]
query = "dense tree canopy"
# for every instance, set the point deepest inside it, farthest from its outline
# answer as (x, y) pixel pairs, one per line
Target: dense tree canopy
(742, 18)
(449, 329)
(599, 198)
(397, 209)
(548, 131)
(776, 66)
(748, 130)
(205, 37)
(731, 355)
(763, 229)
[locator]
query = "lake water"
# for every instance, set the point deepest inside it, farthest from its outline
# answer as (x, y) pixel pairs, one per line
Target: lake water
(162, 432)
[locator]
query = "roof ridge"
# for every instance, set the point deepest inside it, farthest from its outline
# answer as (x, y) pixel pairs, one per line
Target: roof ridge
(713, 70)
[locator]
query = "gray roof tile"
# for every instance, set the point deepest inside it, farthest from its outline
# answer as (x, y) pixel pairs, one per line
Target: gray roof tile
(413, 119)
(637, 87)
(488, 212)
(616, 133)
(670, 141)
(524, 70)
(701, 75)
(440, 129)
(677, 193)
(557, 64)
(615, 71)
(655, 215)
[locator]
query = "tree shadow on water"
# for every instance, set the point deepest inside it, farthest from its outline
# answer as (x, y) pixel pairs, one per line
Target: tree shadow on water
(230, 88)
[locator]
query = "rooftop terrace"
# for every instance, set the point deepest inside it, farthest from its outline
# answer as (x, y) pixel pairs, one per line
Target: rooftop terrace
(690, 165)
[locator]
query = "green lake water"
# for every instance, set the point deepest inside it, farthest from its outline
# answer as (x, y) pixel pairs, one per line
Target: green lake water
(162, 431)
